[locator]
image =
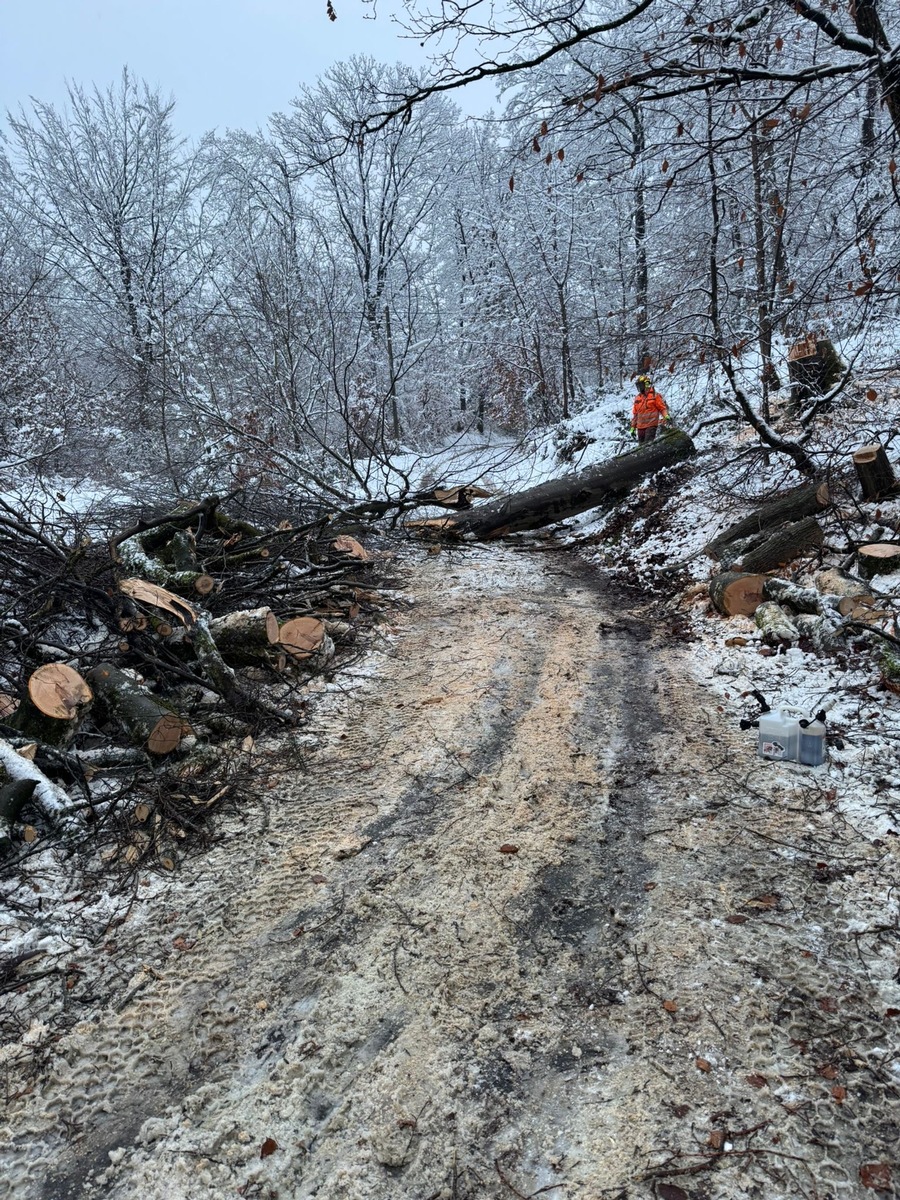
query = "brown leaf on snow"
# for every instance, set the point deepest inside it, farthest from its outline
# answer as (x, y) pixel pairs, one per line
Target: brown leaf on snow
(182, 943)
(716, 1139)
(509, 848)
(671, 1191)
(839, 1093)
(268, 1147)
(351, 546)
(828, 1071)
(892, 1012)
(769, 901)
(670, 1006)
(736, 919)
(828, 1004)
(876, 1176)
(757, 1081)
(736, 641)
(702, 1065)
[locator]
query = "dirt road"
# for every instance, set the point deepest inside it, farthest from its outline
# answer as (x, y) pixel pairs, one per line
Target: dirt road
(529, 921)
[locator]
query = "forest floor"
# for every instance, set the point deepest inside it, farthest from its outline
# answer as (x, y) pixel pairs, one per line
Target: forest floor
(521, 914)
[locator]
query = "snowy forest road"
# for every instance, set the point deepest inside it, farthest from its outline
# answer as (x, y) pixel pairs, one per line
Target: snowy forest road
(522, 925)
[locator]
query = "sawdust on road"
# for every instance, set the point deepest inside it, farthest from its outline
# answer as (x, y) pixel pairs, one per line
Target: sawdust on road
(528, 921)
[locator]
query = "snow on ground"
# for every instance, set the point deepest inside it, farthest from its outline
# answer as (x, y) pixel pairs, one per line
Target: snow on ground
(66, 911)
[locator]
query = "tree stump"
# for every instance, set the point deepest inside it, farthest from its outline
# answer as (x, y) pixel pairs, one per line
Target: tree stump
(875, 473)
(814, 366)
(735, 594)
(878, 558)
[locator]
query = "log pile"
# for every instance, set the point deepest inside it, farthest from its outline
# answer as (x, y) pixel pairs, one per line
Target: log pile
(156, 656)
(772, 536)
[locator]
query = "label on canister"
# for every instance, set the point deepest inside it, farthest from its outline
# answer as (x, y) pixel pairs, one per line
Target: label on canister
(771, 749)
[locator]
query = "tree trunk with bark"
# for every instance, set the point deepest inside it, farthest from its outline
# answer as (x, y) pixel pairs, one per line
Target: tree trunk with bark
(803, 501)
(784, 546)
(566, 497)
(145, 718)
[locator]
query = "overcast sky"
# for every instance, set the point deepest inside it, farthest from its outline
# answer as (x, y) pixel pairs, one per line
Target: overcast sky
(229, 63)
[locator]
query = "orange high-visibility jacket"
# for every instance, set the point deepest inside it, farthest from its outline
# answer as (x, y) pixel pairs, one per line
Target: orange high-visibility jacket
(649, 409)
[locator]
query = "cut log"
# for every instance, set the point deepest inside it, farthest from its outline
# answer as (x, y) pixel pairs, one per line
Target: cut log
(784, 546)
(133, 556)
(245, 637)
(305, 640)
(875, 474)
(776, 626)
(302, 636)
(57, 702)
(735, 594)
(878, 558)
(801, 600)
(145, 718)
(804, 501)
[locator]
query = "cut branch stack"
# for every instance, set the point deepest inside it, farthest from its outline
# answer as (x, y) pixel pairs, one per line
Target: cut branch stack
(197, 625)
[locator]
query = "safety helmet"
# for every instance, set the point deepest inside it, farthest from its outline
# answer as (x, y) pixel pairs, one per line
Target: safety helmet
(644, 380)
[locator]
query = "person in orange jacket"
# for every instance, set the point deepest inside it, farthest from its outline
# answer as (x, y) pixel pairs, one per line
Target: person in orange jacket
(649, 411)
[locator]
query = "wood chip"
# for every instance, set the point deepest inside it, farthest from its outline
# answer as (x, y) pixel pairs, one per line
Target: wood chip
(159, 597)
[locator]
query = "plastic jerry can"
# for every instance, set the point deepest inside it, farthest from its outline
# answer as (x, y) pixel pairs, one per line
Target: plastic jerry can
(812, 743)
(779, 736)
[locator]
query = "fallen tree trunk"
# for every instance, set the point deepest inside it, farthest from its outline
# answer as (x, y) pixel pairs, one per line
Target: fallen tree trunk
(874, 471)
(804, 501)
(567, 496)
(784, 546)
(735, 594)
(146, 719)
